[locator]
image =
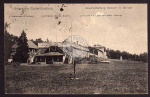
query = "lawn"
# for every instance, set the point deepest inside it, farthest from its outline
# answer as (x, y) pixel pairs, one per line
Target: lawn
(118, 77)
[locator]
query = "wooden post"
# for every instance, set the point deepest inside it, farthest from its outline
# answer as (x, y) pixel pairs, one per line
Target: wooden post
(35, 60)
(74, 63)
(52, 59)
(40, 59)
(57, 58)
(45, 60)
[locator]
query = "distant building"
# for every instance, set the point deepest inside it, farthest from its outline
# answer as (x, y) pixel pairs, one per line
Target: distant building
(49, 53)
(98, 52)
(101, 51)
(31, 47)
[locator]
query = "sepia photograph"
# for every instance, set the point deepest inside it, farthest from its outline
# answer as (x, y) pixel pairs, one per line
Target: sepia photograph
(75, 48)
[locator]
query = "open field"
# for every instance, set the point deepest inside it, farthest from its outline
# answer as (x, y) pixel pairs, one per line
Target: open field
(123, 77)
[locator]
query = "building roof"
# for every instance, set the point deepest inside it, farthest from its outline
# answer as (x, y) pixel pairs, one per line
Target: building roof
(47, 44)
(51, 54)
(30, 44)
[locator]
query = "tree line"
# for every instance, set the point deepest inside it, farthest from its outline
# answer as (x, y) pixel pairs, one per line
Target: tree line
(9, 41)
(116, 54)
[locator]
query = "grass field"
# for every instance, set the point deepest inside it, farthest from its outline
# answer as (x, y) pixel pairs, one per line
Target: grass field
(118, 77)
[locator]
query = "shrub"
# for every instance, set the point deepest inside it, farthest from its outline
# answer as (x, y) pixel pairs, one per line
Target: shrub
(7, 63)
(15, 64)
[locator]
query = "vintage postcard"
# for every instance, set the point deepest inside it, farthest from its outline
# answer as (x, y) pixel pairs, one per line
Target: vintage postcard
(76, 48)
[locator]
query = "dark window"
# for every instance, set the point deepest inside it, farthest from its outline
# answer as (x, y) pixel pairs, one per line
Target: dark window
(42, 59)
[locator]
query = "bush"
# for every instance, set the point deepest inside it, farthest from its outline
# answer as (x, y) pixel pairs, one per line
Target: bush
(15, 64)
(7, 63)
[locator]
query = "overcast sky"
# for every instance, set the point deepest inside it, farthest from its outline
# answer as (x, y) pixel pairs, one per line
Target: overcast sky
(126, 32)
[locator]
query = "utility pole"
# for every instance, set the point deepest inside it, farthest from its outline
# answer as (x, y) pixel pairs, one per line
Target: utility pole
(73, 60)
(74, 63)
(56, 41)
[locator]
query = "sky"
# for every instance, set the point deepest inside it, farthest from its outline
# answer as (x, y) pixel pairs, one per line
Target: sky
(116, 26)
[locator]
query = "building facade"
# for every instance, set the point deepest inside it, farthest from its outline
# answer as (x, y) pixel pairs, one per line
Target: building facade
(49, 54)
(55, 53)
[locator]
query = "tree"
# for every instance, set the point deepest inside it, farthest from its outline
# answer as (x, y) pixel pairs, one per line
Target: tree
(144, 57)
(36, 41)
(118, 54)
(22, 50)
(125, 55)
(114, 54)
(9, 41)
(7, 44)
